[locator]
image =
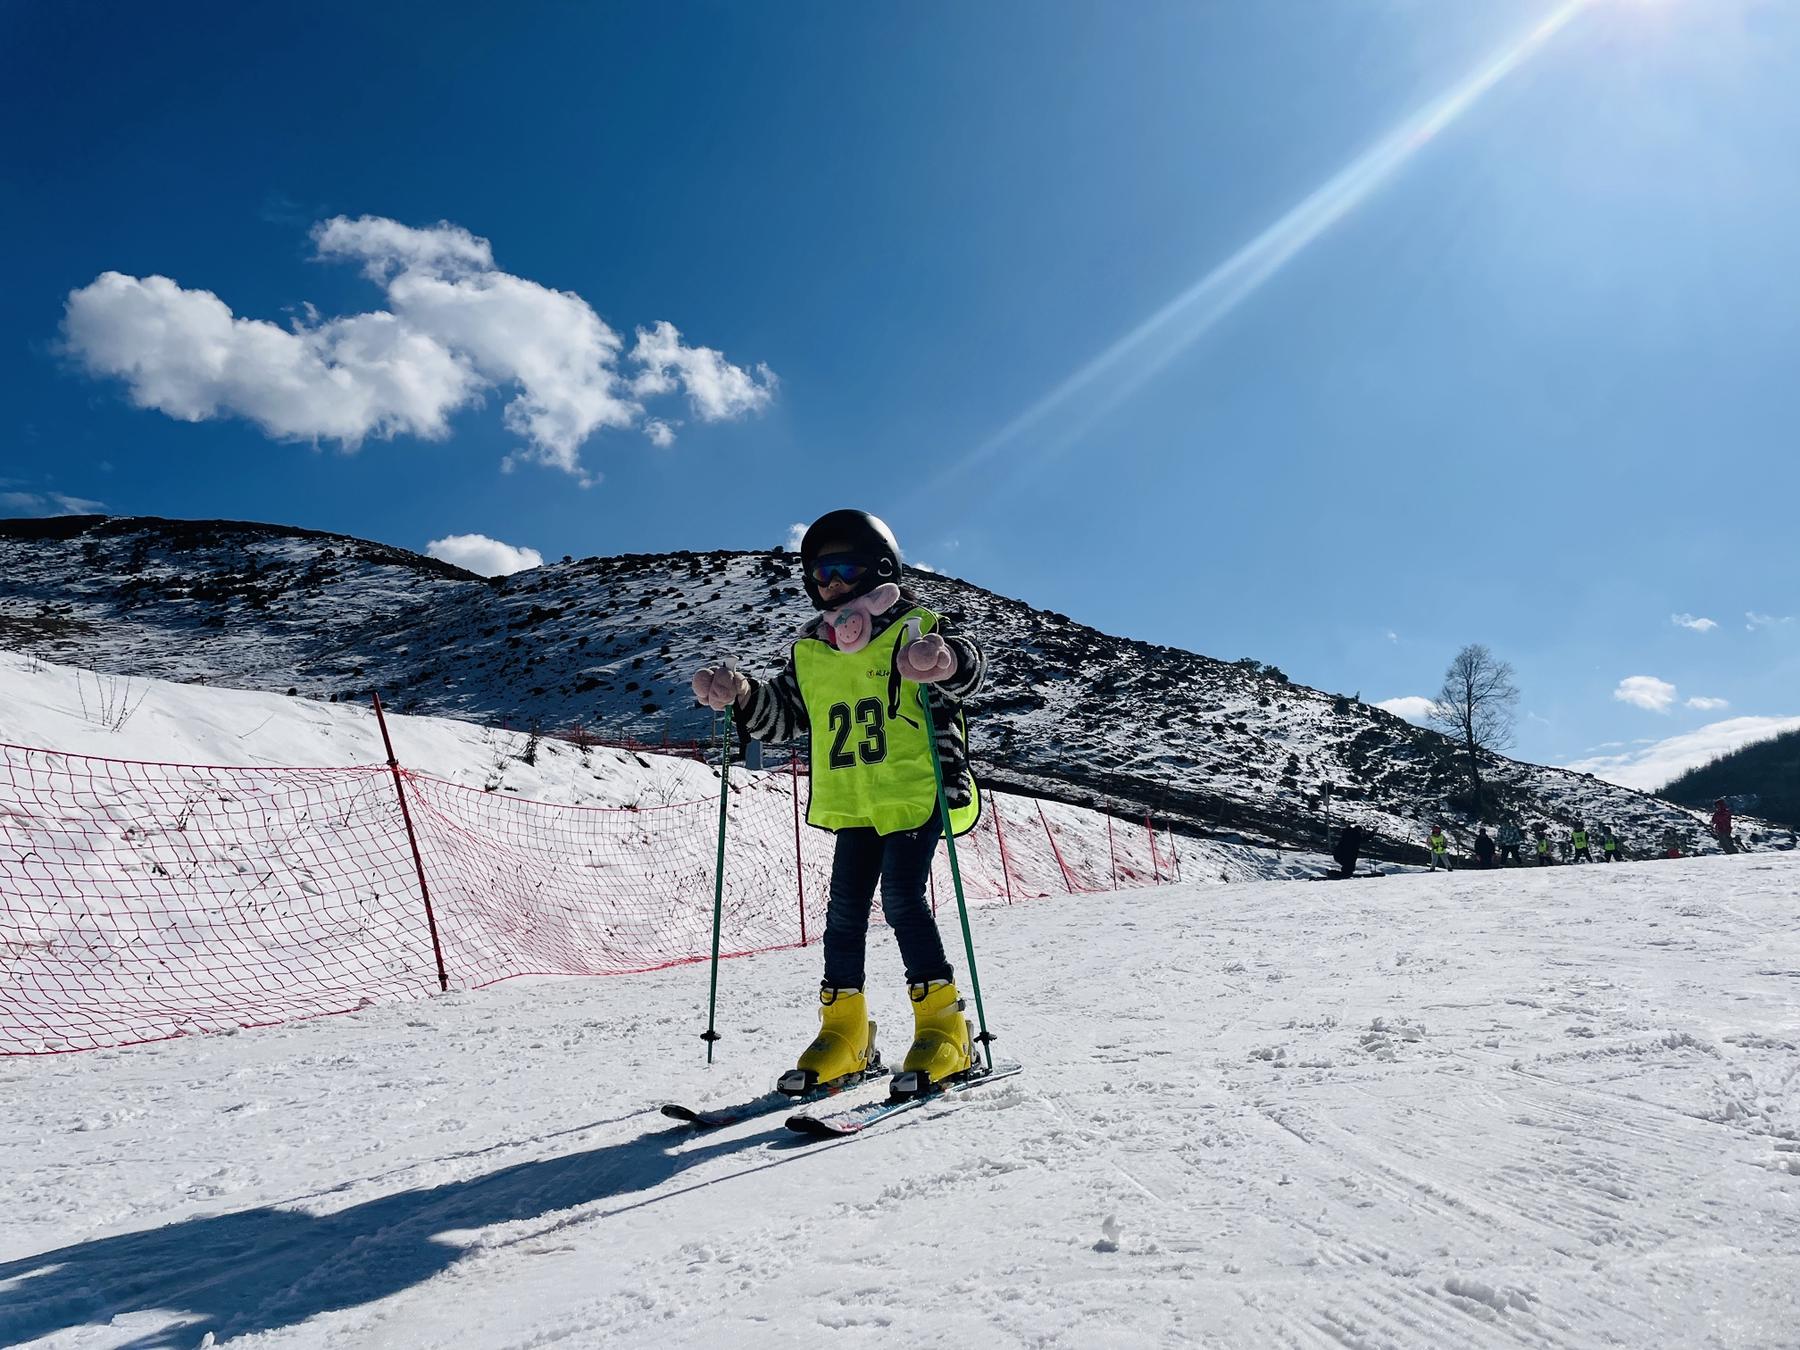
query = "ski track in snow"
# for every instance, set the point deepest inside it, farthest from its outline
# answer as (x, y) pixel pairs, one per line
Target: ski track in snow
(1524, 1109)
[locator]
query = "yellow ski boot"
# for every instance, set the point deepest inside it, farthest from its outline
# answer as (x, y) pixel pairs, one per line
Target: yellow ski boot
(943, 1041)
(843, 1051)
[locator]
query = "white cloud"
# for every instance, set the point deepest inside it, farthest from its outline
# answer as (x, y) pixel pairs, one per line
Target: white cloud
(796, 535)
(455, 328)
(1646, 692)
(386, 246)
(184, 354)
(1392, 636)
(1689, 621)
(483, 556)
(49, 504)
(1705, 704)
(1754, 621)
(1412, 707)
(717, 389)
(919, 566)
(1650, 768)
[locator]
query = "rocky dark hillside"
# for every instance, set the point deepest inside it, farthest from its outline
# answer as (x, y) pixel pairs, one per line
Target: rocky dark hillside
(609, 643)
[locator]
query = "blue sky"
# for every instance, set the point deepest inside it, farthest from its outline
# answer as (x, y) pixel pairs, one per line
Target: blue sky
(1477, 322)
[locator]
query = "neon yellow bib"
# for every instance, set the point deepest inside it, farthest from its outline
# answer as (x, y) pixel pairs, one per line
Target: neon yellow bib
(870, 756)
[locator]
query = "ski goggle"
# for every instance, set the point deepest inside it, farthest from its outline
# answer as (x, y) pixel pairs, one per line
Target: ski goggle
(838, 567)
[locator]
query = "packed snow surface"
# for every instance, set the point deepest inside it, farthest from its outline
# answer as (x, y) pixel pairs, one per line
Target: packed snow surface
(1555, 1108)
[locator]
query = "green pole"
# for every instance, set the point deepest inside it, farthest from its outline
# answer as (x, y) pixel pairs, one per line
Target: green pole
(962, 908)
(712, 999)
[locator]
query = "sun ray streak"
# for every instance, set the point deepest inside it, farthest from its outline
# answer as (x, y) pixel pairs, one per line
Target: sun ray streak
(1091, 393)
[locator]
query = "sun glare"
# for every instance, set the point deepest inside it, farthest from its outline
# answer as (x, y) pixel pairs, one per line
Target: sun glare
(1098, 387)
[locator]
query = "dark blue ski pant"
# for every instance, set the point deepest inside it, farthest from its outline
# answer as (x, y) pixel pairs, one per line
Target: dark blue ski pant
(901, 865)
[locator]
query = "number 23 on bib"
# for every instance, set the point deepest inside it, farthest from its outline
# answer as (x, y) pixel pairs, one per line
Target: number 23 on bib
(871, 758)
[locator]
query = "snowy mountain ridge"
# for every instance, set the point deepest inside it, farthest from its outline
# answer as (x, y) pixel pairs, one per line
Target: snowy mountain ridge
(1069, 713)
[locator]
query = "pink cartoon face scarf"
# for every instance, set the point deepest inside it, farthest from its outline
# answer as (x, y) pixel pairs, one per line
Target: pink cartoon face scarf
(850, 626)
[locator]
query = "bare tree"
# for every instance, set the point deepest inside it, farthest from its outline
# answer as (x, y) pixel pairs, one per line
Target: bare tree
(1476, 707)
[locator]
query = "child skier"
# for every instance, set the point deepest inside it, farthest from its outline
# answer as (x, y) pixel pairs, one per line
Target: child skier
(852, 684)
(1439, 846)
(1511, 837)
(1484, 848)
(1721, 825)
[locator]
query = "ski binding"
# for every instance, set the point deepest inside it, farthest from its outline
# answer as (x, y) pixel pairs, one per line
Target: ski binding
(855, 1119)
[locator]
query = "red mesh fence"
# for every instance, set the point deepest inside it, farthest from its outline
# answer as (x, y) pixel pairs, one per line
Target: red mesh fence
(533, 888)
(142, 901)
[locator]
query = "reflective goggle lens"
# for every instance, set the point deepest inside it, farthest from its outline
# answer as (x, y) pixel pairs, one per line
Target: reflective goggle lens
(827, 570)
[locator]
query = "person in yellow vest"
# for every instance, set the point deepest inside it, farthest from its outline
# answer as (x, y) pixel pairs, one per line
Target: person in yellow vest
(1578, 844)
(1543, 849)
(1440, 848)
(1609, 845)
(852, 685)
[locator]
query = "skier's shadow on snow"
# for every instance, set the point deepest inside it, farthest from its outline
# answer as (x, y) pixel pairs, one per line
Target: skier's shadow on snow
(262, 1269)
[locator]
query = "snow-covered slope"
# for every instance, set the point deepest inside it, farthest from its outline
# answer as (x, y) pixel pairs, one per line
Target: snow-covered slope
(140, 899)
(85, 712)
(1523, 1109)
(1070, 713)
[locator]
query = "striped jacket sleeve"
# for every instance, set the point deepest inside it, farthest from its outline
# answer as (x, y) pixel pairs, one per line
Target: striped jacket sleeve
(773, 711)
(952, 745)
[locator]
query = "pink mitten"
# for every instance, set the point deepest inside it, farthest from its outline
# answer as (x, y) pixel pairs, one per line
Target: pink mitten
(927, 660)
(720, 686)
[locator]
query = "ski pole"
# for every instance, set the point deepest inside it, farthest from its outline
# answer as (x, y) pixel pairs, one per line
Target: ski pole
(712, 999)
(962, 907)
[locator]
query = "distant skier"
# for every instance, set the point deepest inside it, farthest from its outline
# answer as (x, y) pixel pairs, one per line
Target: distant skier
(1543, 848)
(1578, 844)
(1511, 838)
(1348, 847)
(1439, 845)
(852, 685)
(1609, 845)
(1721, 825)
(1484, 848)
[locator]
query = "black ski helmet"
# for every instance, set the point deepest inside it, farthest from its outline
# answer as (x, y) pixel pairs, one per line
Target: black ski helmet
(866, 536)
